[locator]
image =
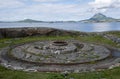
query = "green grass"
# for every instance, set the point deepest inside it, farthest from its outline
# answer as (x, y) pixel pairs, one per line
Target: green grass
(107, 74)
(12, 74)
(97, 40)
(30, 39)
(115, 33)
(90, 39)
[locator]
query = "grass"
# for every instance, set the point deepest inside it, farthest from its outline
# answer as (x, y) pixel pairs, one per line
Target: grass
(115, 33)
(29, 39)
(12, 74)
(97, 39)
(91, 39)
(107, 74)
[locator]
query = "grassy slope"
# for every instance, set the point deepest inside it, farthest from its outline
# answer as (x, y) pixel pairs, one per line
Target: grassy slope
(114, 33)
(11, 74)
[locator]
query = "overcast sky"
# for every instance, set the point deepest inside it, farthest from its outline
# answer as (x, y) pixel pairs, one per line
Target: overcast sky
(51, 10)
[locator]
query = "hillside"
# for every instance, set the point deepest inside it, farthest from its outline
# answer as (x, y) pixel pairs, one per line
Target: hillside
(28, 20)
(101, 18)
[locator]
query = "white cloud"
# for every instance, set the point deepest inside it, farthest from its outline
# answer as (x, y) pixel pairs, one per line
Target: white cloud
(49, 11)
(48, 8)
(10, 4)
(46, 0)
(104, 5)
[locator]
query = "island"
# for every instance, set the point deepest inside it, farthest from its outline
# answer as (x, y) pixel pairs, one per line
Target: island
(97, 18)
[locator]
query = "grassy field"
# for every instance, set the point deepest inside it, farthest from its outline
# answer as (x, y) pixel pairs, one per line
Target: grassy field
(11, 74)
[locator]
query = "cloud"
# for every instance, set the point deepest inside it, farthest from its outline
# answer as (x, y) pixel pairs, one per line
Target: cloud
(11, 4)
(104, 5)
(46, 0)
(48, 11)
(54, 9)
(50, 8)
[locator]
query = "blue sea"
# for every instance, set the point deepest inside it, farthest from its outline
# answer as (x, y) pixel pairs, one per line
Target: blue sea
(76, 26)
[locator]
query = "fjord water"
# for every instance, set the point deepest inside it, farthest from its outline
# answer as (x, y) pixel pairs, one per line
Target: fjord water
(76, 26)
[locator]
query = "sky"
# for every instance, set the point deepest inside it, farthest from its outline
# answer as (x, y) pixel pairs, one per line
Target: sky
(57, 10)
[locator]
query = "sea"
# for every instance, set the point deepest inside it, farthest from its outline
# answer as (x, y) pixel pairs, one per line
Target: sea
(74, 26)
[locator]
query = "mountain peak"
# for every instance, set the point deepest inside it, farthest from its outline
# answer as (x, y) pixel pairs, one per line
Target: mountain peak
(29, 20)
(98, 15)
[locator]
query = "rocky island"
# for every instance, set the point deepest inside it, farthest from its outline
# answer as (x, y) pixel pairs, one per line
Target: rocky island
(99, 17)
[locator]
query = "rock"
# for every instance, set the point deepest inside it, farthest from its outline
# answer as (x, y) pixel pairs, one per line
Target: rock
(65, 73)
(57, 52)
(113, 38)
(32, 70)
(1, 35)
(87, 48)
(115, 65)
(41, 31)
(71, 78)
(18, 68)
(76, 71)
(27, 56)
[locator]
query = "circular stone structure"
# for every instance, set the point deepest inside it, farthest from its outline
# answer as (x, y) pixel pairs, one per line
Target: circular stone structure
(49, 52)
(60, 43)
(56, 56)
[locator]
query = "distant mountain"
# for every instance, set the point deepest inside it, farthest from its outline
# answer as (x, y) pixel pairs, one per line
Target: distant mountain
(1, 21)
(118, 20)
(29, 21)
(101, 18)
